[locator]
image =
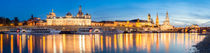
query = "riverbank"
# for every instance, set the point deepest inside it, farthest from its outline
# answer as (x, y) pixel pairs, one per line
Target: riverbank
(72, 29)
(204, 46)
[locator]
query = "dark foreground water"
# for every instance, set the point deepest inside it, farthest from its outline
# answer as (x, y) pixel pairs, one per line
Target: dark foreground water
(106, 43)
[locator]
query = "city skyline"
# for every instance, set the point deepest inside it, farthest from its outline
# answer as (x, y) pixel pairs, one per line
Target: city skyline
(187, 12)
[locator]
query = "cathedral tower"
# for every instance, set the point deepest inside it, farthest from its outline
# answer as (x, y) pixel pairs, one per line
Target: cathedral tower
(149, 18)
(157, 20)
(166, 25)
(166, 22)
(80, 14)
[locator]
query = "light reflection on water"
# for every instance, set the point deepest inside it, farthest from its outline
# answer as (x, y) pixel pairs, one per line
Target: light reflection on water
(115, 43)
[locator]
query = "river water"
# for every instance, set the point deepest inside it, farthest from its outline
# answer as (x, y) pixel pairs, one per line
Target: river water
(97, 43)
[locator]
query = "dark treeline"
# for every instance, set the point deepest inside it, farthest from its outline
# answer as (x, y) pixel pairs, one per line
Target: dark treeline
(7, 22)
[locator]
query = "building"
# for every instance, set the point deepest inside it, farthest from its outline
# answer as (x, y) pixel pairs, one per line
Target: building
(69, 19)
(134, 23)
(157, 21)
(166, 24)
(126, 23)
(31, 22)
(194, 26)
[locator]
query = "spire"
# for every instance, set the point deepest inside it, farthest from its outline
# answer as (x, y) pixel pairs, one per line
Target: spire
(157, 20)
(52, 10)
(80, 8)
(167, 18)
(80, 14)
(149, 18)
(32, 16)
(166, 22)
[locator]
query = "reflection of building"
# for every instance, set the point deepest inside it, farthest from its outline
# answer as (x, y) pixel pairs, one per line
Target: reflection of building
(166, 25)
(80, 19)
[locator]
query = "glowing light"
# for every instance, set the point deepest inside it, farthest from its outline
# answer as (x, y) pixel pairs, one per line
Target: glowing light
(102, 43)
(44, 44)
(1, 43)
(115, 42)
(20, 45)
(31, 44)
(54, 45)
(12, 44)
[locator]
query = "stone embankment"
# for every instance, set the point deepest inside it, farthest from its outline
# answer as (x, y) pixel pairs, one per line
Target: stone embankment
(204, 46)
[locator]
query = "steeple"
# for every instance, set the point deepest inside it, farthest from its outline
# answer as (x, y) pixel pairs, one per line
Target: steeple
(149, 18)
(32, 16)
(167, 18)
(166, 22)
(80, 8)
(80, 14)
(52, 11)
(157, 20)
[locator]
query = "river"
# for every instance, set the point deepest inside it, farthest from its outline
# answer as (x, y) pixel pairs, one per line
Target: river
(98, 43)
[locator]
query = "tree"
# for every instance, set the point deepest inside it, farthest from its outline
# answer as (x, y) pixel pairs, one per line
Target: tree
(1, 20)
(8, 21)
(5, 21)
(16, 21)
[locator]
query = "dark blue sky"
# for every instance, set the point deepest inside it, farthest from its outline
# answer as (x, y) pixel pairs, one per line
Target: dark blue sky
(181, 12)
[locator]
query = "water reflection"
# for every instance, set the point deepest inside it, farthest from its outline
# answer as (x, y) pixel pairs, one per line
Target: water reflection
(116, 43)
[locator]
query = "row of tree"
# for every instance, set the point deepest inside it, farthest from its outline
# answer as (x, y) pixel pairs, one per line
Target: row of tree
(7, 22)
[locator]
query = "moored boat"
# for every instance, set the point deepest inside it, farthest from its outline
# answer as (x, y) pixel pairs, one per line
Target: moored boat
(18, 31)
(44, 31)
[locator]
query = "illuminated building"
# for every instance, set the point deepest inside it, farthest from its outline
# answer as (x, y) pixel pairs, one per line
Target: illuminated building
(128, 23)
(149, 18)
(80, 19)
(134, 23)
(157, 21)
(31, 22)
(166, 25)
(194, 26)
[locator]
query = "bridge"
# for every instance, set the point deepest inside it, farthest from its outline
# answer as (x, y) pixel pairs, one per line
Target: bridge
(189, 29)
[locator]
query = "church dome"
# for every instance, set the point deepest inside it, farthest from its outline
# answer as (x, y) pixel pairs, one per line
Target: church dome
(87, 14)
(68, 14)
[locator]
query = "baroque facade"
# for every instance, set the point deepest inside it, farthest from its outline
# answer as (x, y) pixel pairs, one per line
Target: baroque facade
(166, 24)
(126, 23)
(69, 19)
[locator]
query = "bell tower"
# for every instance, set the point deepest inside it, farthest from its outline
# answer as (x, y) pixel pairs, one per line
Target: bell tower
(149, 18)
(166, 22)
(157, 20)
(80, 13)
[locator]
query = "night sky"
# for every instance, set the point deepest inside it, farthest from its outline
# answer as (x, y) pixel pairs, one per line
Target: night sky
(181, 12)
